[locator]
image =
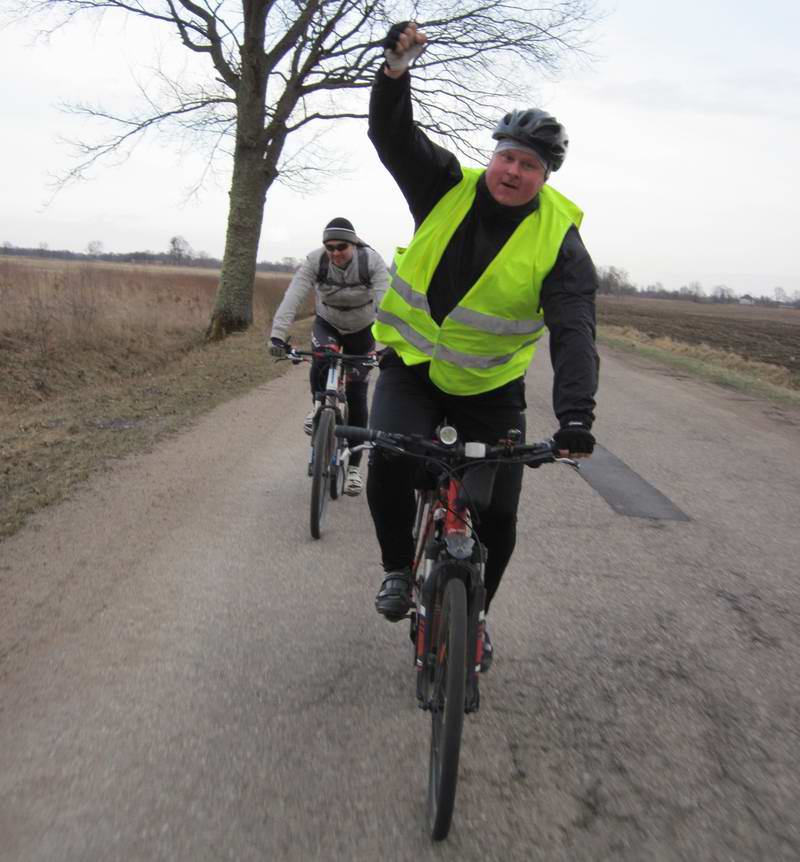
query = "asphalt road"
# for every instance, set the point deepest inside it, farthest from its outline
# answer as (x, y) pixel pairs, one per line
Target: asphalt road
(186, 675)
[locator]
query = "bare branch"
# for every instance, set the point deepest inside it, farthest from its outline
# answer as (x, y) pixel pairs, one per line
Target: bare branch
(89, 154)
(209, 32)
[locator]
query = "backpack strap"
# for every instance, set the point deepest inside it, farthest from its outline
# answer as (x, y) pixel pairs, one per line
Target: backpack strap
(322, 271)
(363, 267)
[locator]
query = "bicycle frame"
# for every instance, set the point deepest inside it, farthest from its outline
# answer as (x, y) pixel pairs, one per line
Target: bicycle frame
(334, 394)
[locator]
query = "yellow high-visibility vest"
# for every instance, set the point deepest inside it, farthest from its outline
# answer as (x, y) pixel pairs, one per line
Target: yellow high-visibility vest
(490, 337)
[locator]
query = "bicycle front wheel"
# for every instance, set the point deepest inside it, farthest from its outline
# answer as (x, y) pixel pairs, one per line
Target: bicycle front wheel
(447, 708)
(324, 443)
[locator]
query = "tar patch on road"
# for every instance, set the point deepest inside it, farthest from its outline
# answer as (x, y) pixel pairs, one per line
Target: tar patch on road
(625, 490)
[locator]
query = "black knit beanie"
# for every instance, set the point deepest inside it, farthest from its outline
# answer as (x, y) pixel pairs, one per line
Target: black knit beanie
(341, 229)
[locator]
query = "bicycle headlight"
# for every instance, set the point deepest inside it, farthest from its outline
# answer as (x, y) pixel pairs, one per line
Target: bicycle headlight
(475, 450)
(448, 435)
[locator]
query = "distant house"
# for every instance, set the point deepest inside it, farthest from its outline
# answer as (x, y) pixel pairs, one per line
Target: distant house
(746, 300)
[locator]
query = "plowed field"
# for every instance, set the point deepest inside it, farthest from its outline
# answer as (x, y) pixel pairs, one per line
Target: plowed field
(762, 334)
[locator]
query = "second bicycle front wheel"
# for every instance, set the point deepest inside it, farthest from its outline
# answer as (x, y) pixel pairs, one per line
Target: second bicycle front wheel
(447, 708)
(324, 443)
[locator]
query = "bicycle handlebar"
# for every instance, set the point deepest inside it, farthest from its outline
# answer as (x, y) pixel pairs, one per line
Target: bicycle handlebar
(295, 355)
(543, 452)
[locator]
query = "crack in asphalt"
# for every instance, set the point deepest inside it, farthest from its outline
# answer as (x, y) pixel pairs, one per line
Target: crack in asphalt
(744, 605)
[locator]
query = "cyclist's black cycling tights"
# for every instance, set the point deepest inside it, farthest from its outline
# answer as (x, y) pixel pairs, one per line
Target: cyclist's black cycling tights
(356, 343)
(405, 401)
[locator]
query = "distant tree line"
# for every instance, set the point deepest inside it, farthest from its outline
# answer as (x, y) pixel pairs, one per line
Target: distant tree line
(179, 253)
(616, 282)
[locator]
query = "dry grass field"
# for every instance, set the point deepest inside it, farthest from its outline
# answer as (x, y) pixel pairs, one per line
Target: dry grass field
(100, 360)
(758, 335)
(65, 324)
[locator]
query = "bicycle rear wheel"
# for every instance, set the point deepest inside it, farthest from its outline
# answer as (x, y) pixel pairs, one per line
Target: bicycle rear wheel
(447, 708)
(324, 443)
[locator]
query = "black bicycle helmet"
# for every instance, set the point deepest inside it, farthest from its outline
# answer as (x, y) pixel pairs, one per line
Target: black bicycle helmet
(539, 131)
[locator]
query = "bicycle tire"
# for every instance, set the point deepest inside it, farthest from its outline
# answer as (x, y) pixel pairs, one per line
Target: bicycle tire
(321, 470)
(447, 708)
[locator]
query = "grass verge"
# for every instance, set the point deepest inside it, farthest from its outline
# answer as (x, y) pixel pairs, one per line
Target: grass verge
(48, 448)
(724, 368)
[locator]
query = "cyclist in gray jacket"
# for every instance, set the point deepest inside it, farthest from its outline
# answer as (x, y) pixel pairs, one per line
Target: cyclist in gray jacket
(349, 279)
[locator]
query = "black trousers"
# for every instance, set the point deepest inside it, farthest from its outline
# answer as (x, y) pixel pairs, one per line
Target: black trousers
(361, 342)
(405, 401)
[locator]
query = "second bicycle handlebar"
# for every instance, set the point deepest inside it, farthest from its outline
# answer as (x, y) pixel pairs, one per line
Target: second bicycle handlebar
(294, 355)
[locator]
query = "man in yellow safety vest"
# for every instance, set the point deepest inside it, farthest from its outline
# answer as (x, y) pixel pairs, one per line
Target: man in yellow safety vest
(495, 258)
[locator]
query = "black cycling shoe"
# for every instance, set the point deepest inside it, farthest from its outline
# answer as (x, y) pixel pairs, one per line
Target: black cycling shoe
(488, 651)
(394, 597)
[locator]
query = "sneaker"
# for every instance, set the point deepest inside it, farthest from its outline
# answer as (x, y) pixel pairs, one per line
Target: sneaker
(394, 597)
(353, 483)
(488, 651)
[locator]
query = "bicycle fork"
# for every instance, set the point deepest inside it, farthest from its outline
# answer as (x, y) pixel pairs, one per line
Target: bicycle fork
(453, 553)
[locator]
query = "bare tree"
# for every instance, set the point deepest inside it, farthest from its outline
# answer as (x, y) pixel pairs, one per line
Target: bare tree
(695, 290)
(179, 248)
(282, 66)
(722, 293)
(614, 281)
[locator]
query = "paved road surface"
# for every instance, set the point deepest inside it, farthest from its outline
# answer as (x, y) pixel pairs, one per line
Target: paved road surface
(186, 675)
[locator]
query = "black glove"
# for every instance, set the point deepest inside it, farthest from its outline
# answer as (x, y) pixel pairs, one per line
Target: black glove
(396, 59)
(390, 42)
(575, 437)
(278, 347)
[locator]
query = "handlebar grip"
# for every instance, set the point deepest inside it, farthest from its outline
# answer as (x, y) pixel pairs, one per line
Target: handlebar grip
(355, 434)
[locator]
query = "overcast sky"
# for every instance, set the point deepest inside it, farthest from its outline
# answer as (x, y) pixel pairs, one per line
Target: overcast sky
(685, 134)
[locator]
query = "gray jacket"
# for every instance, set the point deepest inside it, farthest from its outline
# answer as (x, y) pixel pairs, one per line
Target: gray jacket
(344, 302)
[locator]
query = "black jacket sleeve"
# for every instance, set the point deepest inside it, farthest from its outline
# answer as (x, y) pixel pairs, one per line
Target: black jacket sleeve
(423, 170)
(568, 303)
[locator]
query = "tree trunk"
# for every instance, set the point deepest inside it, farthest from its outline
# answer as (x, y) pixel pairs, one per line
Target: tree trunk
(233, 308)
(253, 174)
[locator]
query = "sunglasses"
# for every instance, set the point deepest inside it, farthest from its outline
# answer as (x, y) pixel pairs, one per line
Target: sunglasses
(338, 247)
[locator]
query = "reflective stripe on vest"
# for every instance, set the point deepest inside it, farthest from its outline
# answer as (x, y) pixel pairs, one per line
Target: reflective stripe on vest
(490, 337)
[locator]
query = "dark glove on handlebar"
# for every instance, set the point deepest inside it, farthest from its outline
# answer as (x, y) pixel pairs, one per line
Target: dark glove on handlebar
(575, 437)
(278, 347)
